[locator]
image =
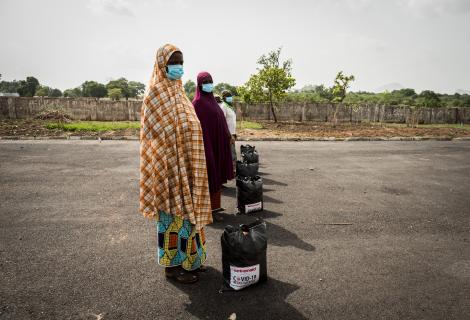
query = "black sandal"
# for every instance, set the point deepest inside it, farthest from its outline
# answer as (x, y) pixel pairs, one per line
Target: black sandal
(201, 269)
(181, 275)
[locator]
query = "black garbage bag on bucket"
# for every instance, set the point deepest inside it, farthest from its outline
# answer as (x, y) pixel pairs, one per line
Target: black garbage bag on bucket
(247, 169)
(249, 194)
(244, 255)
(246, 148)
(250, 157)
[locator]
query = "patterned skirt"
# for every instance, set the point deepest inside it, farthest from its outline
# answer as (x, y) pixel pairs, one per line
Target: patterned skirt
(179, 243)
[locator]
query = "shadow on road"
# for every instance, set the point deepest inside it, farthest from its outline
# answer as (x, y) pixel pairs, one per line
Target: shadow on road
(277, 235)
(267, 181)
(232, 193)
(263, 301)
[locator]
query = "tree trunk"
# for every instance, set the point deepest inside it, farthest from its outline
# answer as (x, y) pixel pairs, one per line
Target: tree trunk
(272, 107)
(334, 115)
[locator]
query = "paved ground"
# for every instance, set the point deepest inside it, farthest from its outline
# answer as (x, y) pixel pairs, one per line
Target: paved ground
(72, 245)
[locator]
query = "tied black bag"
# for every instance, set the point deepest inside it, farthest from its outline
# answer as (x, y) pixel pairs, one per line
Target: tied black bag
(244, 255)
(246, 148)
(247, 169)
(251, 157)
(249, 194)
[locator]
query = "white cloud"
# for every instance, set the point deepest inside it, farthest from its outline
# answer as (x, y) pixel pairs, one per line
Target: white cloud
(419, 7)
(119, 7)
(436, 7)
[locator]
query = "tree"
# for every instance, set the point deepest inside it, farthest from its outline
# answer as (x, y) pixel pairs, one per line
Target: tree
(9, 86)
(73, 93)
(43, 91)
(93, 89)
(121, 84)
(136, 89)
(340, 86)
(271, 82)
(190, 89)
(252, 90)
(324, 92)
(338, 91)
(55, 93)
(28, 88)
(220, 87)
(428, 99)
(115, 93)
(407, 92)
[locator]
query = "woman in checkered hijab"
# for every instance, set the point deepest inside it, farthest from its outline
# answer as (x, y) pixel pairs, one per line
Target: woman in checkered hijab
(174, 186)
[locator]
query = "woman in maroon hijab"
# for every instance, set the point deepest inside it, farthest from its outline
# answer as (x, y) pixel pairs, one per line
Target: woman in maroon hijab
(216, 138)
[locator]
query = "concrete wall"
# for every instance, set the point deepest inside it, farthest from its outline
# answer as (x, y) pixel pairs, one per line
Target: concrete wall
(79, 109)
(366, 113)
(106, 110)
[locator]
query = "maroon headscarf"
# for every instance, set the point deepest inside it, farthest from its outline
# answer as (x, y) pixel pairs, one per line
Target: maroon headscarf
(216, 136)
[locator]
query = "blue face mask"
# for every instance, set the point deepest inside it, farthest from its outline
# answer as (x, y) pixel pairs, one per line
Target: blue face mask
(175, 71)
(229, 99)
(208, 87)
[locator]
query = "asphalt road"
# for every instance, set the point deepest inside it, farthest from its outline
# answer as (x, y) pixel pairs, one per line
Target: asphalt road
(357, 230)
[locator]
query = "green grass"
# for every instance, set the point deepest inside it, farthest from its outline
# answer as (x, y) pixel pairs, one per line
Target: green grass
(94, 125)
(249, 125)
(118, 125)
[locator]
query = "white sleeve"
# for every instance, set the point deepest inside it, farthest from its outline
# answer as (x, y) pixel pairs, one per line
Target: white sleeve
(231, 121)
(221, 105)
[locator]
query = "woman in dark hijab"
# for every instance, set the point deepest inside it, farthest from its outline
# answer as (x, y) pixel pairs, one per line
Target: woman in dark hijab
(216, 138)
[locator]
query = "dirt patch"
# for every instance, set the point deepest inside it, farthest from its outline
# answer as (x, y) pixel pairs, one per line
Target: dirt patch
(37, 128)
(346, 130)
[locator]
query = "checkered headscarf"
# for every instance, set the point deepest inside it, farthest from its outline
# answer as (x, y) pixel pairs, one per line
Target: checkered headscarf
(173, 174)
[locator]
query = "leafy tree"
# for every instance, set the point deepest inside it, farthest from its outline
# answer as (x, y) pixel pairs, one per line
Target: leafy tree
(136, 89)
(43, 91)
(308, 88)
(220, 87)
(115, 93)
(93, 89)
(324, 92)
(466, 101)
(429, 99)
(271, 82)
(190, 89)
(338, 91)
(342, 83)
(252, 90)
(121, 84)
(407, 92)
(55, 93)
(28, 87)
(9, 86)
(73, 93)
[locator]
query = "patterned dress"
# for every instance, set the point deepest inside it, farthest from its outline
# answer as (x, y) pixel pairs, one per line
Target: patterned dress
(179, 244)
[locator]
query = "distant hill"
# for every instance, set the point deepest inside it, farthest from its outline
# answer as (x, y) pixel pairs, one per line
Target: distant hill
(389, 87)
(462, 91)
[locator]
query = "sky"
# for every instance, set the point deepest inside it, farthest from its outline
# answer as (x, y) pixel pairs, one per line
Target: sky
(422, 44)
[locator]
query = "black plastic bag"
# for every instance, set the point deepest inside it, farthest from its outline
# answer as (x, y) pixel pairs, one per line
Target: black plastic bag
(249, 194)
(244, 255)
(247, 169)
(246, 148)
(250, 157)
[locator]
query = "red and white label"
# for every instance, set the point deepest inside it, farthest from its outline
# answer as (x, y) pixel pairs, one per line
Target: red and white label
(254, 207)
(242, 277)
